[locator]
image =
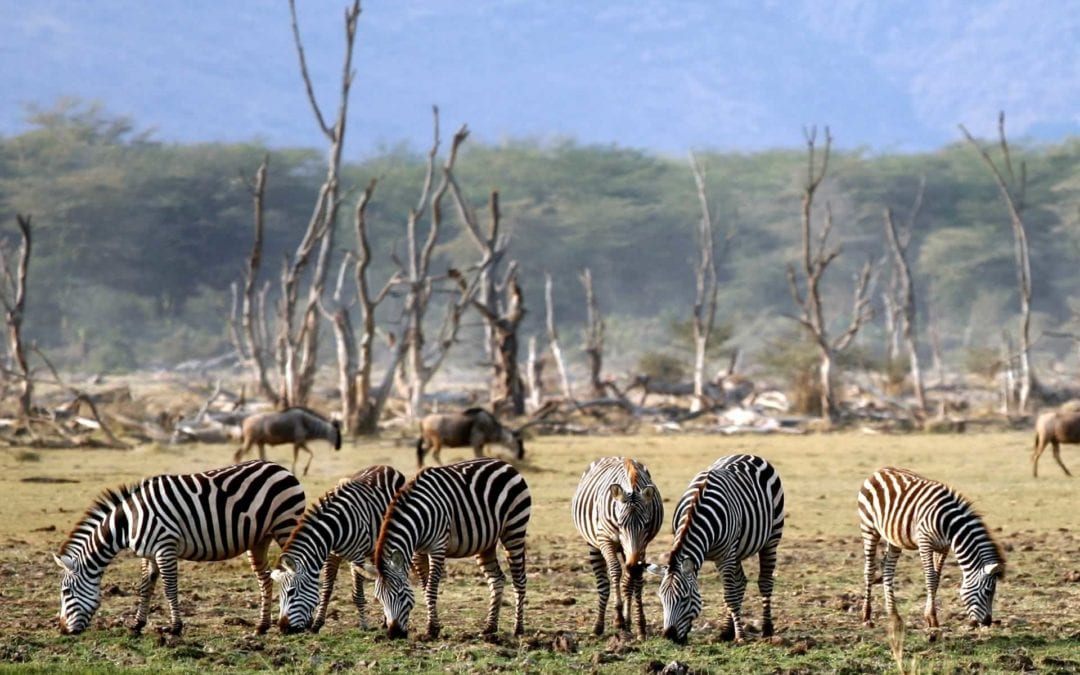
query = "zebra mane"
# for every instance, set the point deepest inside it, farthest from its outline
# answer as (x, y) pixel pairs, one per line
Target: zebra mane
(104, 504)
(316, 508)
(691, 508)
(403, 493)
(970, 506)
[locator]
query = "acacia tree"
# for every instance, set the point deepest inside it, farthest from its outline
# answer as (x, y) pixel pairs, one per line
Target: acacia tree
(904, 299)
(805, 284)
(1012, 190)
(13, 295)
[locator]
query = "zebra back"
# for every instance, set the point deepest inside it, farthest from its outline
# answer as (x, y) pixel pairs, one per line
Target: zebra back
(475, 503)
(735, 507)
(617, 500)
(901, 505)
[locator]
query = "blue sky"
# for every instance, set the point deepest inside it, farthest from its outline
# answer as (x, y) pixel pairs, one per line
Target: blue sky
(664, 76)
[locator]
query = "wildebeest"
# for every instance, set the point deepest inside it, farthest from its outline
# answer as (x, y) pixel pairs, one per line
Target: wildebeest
(292, 425)
(473, 428)
(1055, 427)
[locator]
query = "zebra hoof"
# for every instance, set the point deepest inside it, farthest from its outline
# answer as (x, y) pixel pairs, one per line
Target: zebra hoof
(867, 623)
(262, 629)
(519, 630)
(933, 634)
(767, 630)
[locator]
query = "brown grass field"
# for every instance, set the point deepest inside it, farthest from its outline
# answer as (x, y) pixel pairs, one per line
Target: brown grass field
(817, 601)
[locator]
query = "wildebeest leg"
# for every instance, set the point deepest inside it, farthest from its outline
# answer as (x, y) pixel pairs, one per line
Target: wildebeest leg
(296, 453)
(1057, 457)
(436, 448)
(241, 452)
(262, 451)
(1040, 446)
(259, 564)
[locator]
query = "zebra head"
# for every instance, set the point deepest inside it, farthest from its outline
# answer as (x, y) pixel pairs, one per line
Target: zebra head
(80, 595)
(977, 591)
(680, 597)
(633, 514)
(298, 597)
(394, 592)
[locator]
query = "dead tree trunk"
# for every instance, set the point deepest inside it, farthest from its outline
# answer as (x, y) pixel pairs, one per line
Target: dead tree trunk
(338, 316)
(13, 296)
(251, 339)
(553, 339)
(509, 388)
(536, 376)
(1012, 192)
(707, 287)
(298, 335)
(815, 260)
(905, 294)
(594, 336)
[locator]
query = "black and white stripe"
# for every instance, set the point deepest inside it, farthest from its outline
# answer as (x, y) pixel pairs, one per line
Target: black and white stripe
(911, 512)
(618, 510)
(214, 515)
(343, 525)
(729, 512)
(454, 511)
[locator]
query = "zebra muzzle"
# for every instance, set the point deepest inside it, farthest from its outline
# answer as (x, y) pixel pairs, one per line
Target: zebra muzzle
(396, 632)
(287, 628)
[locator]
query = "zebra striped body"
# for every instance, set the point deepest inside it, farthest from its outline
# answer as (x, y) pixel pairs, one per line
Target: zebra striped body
(453, 511)
(215, 515)
(618, 511)
(915, 513)
(729, 512)
(294, 425)
(343, 525)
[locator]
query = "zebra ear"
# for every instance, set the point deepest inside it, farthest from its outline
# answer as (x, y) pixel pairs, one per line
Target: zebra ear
(648, 493)
(397, 559)
(617, 493)
(658, 570)
(65, 562)
(686, 566)
(992, 569)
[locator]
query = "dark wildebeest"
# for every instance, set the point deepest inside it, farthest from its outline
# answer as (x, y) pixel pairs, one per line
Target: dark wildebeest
(293, 425)
(1055, 427)
(473, 428)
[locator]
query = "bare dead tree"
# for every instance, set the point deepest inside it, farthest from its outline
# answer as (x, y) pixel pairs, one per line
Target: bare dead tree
(298, 335)
(905, 293)
(250, 339)
(422, 361)
(704, 311)
(13, 295)
(501, 319)
(594, 336)
(553, 338)
(815, 260)
(1012, 189)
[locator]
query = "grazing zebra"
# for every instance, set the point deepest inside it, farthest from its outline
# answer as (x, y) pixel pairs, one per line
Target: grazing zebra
(618, 510)
(293, 425)
(453, 511)
(916, 513)
(214, 515)
(729, 512)
(343, 525)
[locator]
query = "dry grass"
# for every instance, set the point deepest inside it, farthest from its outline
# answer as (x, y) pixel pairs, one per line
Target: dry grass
(816, 603)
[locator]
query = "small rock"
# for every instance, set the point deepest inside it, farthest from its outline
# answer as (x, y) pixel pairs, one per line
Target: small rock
(676, 668)
(565, 642)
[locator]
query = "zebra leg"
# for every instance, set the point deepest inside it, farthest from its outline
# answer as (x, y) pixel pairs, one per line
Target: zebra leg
(765, 582)
(146, 588)
(603, 587)
(421, 567)
(489, 561)
(888, 574)
(167, 565)
(515, 558)
(326, 589)
(436, 562)
(930, 572)
(734, 590)
(257, 556)
(614, 561)
(870, 546)
(358, 595)
(635, 583)
(1056, 449)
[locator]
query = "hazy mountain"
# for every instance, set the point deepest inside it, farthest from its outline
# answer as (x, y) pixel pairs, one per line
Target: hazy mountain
(887, 75)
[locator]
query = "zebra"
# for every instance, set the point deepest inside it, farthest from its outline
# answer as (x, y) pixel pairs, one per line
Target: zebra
(214, 515)
(916, 513)
(294, 425)
(618, 510)
(729, 512)
(453, 511)
(343, 525)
